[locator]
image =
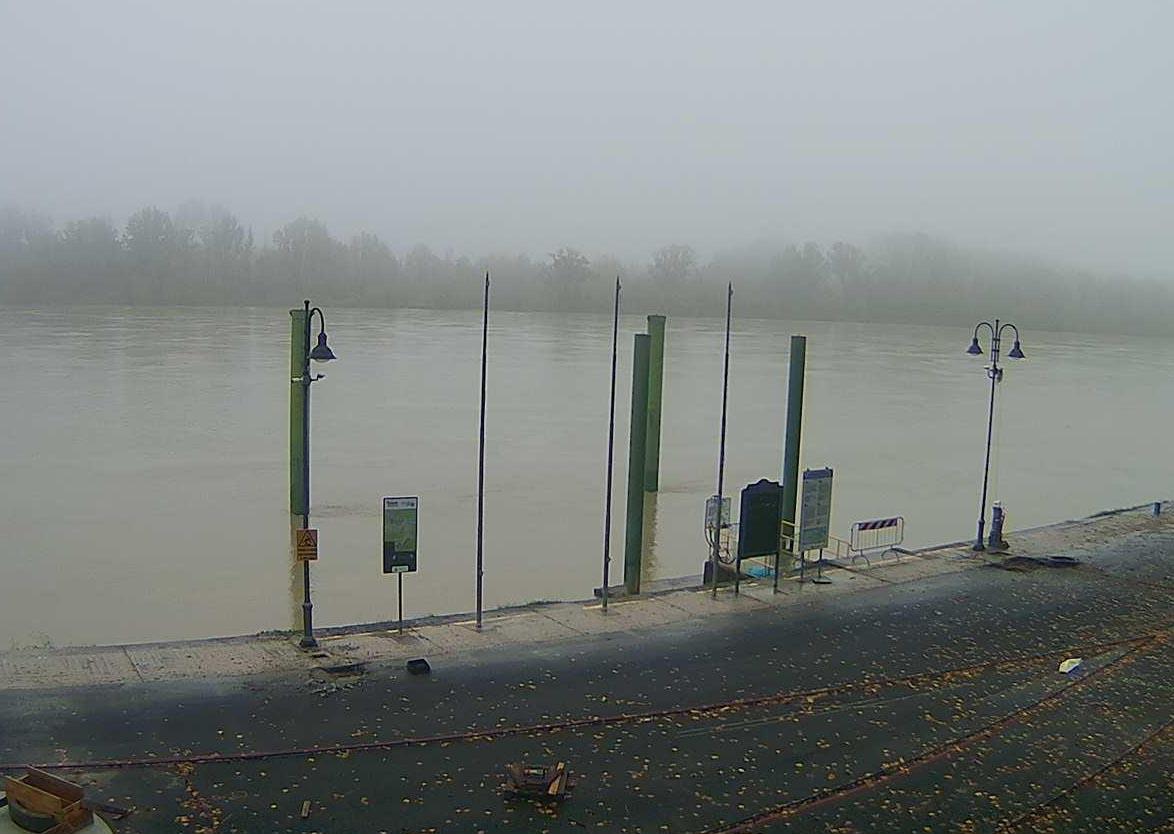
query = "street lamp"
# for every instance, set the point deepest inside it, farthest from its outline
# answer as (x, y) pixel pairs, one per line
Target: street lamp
(995, 373)
(320, 353)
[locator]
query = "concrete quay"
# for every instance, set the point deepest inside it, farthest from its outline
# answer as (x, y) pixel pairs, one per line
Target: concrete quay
(665, 603)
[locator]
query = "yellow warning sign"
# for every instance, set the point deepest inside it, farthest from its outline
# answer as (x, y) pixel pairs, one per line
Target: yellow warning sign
(307, 545)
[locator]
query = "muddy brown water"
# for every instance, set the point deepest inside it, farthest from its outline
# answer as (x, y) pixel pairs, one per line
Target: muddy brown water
(144, 489)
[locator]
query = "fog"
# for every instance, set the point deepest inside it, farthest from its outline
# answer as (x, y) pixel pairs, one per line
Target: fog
(1038, 129)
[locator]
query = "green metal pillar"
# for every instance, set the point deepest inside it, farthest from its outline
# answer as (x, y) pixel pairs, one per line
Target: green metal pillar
(638, 431)
(794, 433)
(299, 492)
(655, 396)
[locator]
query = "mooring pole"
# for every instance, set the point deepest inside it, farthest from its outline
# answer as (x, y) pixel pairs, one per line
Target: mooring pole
(481, 458)
(655, 399)
(611, 442)
(721, 456)
(637, 432)
(793, 439)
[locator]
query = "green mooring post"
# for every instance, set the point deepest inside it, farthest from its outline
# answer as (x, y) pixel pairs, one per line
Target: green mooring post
(638, 431)
(299, 493)
(794, 436)
(655, 398)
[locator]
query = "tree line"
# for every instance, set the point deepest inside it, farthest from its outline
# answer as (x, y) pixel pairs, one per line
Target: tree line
(205, 255)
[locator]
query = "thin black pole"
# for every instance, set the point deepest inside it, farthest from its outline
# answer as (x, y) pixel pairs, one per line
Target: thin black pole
(721, 459)
(611, 442)
(401, 603)
(481, 457)
(993, 373)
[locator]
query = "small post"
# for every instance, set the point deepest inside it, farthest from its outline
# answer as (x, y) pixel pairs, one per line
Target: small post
(401, 604)
(481, 458)
(793, 441)
(637, 434)
(1157, 508)
(655, 398)
(721, 457)
(611, 442)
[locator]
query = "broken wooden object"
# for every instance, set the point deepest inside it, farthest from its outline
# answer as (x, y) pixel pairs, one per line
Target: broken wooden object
(549, 782)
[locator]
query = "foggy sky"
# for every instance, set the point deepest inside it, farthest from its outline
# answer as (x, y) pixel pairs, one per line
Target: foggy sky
(1044, 127)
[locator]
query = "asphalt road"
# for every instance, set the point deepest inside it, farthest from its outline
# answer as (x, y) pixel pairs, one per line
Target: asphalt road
(928, 706)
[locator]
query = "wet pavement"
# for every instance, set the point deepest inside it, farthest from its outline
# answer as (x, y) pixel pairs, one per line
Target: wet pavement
(930, 705)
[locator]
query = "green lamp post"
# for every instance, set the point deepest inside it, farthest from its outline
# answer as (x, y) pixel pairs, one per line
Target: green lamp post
(300, 436)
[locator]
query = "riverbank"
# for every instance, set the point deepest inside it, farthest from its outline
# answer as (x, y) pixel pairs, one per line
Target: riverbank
(667, 602)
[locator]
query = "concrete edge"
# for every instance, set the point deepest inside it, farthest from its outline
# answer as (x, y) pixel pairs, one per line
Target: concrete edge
(671, 600)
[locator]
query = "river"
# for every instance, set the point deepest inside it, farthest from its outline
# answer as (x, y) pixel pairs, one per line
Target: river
(144, 489)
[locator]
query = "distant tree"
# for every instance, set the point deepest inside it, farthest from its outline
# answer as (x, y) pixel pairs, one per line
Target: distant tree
(569, 266)
(226, 250)
(309, 257)
(373, 270)
(846, 270)
(154, 250)
(568, 274)
(26, 254)
(672, 265)
(90, 259)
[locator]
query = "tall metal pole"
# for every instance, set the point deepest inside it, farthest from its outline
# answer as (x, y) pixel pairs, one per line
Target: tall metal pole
(656, 326)
(993, 373)
(793, 442)
(721, 457)
(611, 442)
(307, 641)
(637, 434)
(481, 457)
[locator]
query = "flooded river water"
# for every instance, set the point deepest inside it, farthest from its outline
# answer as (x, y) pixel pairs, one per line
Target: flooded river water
(144, 488)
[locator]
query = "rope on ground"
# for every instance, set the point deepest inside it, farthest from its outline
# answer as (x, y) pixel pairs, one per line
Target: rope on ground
(888, 773)
(1013, 824)
(589, 721)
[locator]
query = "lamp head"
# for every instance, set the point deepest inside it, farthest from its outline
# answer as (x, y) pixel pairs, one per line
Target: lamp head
(322, 351)
(1016, 351)
(975, 349)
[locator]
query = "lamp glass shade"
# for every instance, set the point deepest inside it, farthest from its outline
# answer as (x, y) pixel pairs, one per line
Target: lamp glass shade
(1016, 351)
(974, 349)
(322, 351)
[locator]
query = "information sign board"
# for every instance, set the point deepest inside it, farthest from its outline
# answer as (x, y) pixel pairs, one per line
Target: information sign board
(399, 534)
(816, 506)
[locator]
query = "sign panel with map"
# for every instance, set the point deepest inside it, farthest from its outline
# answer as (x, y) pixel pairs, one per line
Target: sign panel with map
(816, 505)
(399, 534)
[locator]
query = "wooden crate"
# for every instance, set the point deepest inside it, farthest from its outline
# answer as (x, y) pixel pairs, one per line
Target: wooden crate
(44, 793)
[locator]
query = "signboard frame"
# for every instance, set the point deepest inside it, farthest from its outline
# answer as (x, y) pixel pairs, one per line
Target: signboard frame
(406, 508)
(816, 509)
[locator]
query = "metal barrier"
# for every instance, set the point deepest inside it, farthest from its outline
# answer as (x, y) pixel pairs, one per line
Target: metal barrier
(877, 537)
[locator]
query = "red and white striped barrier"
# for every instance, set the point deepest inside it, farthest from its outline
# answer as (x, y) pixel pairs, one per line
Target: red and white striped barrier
(878, 535)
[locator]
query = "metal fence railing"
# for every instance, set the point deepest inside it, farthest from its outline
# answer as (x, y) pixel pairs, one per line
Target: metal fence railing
(876, 537)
